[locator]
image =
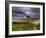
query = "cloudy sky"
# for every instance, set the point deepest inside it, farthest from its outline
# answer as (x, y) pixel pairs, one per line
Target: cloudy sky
(19, 12)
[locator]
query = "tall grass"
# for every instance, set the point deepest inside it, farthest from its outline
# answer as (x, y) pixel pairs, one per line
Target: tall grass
(22, 27)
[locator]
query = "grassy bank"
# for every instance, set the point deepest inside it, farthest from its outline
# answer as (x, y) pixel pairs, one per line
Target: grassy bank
(21, 27)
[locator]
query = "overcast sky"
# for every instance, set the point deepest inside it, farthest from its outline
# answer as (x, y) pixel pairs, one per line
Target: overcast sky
(26, 11)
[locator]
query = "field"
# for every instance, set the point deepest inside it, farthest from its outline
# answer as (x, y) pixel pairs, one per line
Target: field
(22, 27)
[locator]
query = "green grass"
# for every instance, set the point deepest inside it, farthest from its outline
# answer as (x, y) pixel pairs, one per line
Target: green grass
(22, 27)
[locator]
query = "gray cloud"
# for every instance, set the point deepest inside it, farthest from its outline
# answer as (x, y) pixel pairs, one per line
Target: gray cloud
(27, 11)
